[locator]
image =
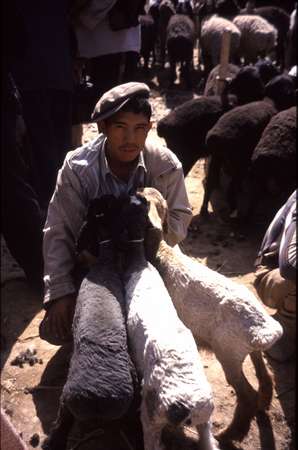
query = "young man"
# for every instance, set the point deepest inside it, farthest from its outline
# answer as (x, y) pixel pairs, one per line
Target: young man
(121, 159)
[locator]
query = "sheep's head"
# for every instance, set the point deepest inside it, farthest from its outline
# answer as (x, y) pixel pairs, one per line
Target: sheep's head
(281, 89)
(132, 220)
(99, 224)
(158, 219)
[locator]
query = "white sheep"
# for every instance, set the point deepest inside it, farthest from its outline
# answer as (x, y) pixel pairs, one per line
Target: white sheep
(224, 315)
(258, 37)
(212, 32)
(175, 389)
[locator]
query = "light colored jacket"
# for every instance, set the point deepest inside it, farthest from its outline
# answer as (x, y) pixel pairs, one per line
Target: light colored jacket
(95, 37)
(78, 183)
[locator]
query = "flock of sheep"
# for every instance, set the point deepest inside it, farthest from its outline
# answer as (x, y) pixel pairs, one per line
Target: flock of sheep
(145, 308)
(234, 130)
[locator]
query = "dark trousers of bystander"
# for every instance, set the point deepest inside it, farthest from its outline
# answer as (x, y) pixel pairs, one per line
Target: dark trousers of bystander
(22, 221)
(109, 70)
(48, 118)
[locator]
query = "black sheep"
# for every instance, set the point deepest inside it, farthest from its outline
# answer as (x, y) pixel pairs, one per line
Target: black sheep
(185, 128)
(267, 69)
(101, 381)
(247, 85)
(166, 11)
(211, 83)
(180, 43)
(273, 162)
(233, 138)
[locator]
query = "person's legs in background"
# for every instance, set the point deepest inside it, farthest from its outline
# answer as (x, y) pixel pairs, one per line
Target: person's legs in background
(47, 115)
(131, 65)
(105, 73)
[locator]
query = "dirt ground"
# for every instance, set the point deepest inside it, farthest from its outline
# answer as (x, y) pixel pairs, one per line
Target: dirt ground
(30, 394)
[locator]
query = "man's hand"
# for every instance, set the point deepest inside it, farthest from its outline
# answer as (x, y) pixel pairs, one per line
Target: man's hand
(58, 319)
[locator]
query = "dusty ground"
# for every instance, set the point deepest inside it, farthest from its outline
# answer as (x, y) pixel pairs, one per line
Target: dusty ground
(30, 394)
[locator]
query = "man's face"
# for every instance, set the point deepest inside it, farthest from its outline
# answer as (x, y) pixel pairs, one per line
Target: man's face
(126, 133)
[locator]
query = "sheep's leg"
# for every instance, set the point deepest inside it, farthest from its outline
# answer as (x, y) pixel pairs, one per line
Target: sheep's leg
(207, 441)
(186, 73)
(211, 182)
(173, 75)
(57, 439)
(162, 48)
(246, 406)
(265, 381)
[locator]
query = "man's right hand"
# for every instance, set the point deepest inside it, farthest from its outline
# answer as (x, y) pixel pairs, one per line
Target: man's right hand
(57, 322)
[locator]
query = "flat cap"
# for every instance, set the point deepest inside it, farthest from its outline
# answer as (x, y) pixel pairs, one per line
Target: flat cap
(114, 99)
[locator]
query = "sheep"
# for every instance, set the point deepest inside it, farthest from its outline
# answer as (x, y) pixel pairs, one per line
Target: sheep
(273, 168)
(267, 70)
(247, 85)
(281, 21)
(286, 5)
(258, 37)
(175, 390)
(233, 138)
(166, 11)
(226, 8)
(186, 126)
(180, 41)
(220, 313)
(212, 30)
(210, 87)
(101, 382)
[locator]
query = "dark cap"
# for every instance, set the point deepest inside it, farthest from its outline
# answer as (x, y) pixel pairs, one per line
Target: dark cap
(114, 99)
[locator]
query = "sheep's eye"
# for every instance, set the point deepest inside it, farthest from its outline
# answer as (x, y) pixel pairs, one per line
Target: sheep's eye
(99, 215)
(188, 422)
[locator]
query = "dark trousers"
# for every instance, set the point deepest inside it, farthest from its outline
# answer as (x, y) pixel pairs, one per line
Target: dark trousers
(48, 118)
(108, 71)
(22, 221)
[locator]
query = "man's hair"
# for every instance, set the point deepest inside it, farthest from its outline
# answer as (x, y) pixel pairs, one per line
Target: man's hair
(137, 105)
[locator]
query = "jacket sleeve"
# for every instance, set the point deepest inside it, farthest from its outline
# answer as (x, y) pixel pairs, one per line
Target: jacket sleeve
(65, 216)
(180, 213)
(288, 248)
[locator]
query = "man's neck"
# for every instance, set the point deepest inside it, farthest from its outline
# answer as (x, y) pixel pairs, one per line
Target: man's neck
(122, 170)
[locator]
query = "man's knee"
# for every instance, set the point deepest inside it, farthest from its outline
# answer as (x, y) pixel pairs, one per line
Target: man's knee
(274, 290)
